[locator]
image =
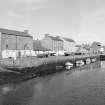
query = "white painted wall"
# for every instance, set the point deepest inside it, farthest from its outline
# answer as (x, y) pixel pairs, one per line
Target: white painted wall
(15, 53)
(69, 46)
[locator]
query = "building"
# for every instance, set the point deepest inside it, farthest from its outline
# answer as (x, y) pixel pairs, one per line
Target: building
(95, 47)
(52, 43)
(37, 46)
(68, 44)
(15, 40)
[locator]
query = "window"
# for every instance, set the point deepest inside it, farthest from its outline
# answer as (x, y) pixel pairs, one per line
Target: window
(6, 46)
(26, 46)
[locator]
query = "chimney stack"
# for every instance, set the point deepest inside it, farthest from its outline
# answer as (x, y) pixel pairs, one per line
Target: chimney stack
(26, 31)
(46, 35)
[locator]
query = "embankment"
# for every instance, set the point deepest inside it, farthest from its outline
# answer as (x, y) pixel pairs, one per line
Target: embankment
(31, 67)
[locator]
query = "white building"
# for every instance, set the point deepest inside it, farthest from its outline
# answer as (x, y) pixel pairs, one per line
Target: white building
(68, 44)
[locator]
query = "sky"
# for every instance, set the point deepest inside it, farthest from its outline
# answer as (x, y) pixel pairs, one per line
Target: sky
(81, 20)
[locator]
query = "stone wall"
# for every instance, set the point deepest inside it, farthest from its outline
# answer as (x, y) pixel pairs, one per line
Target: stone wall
(8, 42)
(24, 43)
(53, 45)
(13, 42)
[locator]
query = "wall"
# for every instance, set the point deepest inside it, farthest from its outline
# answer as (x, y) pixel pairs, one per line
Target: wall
(54, 45)
(69, 46)
(47, 43)
(0, 42)
(12, 42)
(24, 43)
(8, 42)
(57, 45)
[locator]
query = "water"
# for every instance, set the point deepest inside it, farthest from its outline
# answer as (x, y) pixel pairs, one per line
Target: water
(85, 86)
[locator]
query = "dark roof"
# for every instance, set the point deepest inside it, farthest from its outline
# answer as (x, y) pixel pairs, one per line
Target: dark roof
(13, 32)
(54, 38)
(68, 39)
(95, 44)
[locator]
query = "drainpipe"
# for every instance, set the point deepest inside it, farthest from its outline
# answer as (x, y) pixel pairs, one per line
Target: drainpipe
(16, 46)
(16, 42)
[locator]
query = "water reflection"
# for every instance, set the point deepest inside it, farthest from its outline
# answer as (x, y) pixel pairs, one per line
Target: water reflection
(16, 94)
(103, 64)
(83, 86)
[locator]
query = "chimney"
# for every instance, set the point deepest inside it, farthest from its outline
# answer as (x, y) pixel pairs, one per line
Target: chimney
(26, 31)
(46, 35)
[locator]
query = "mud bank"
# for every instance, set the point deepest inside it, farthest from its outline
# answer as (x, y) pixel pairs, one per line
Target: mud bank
(27, 68)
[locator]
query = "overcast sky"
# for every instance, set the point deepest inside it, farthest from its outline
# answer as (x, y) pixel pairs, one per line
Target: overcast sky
(81, 20)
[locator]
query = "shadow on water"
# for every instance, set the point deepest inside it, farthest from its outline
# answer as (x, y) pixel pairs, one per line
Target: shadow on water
(16, 94)
(23, 92)
(33, 92)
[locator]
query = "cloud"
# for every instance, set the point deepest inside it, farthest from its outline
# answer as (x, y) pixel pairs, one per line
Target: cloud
(32, 1)
(20, 1)
(27, 7)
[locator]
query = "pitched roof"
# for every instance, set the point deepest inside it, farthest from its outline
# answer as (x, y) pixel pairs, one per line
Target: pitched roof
(54, 38)
(13, 32)
(68, 39)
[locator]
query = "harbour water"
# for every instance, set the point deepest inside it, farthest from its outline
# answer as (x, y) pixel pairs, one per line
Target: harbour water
(81, 86)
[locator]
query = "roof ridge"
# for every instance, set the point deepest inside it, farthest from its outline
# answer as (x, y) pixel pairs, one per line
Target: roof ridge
(14, 32)
(68, 39)
(55, 38)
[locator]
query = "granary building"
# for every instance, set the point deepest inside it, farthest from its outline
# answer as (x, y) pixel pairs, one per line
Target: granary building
(15, 40)
(52, 43)
(68, 44)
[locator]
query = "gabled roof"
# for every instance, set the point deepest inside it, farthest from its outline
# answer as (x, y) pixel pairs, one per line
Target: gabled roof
(53, 38)
(13, 32)
(68, 39)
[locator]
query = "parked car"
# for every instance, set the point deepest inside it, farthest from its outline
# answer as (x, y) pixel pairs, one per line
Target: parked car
(52, 54)
(68, 53)
(42, 55)
(79, 53)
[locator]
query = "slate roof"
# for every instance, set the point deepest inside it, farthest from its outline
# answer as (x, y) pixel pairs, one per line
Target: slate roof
(13, 32)
(54, 38)
(68, 39)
